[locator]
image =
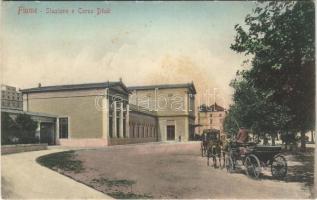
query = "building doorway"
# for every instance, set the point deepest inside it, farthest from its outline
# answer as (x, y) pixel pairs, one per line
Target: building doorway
(170, 130)
(47, 133)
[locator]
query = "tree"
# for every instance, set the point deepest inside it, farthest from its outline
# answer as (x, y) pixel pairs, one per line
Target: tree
(252, 110)
(230, 123)
(27, 128)
(21, 130)
(280, 37)
(8, 128)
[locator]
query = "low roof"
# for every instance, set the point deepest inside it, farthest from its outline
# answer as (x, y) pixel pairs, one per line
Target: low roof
(75, 87)
(165, 86)
(29, 113)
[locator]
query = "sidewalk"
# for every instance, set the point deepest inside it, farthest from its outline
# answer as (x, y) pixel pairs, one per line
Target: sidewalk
(22, 177)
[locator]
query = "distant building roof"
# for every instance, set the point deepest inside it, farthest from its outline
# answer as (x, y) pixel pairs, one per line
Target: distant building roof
(8, 87)
(212, 108)
(75, 87)
(164, 86)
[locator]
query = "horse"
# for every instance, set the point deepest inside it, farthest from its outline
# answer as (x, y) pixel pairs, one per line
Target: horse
(204, 144)
(217, 148)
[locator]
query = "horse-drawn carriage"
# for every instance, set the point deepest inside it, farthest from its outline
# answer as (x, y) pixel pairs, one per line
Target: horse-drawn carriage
(204, 143)
(212, 147)
(254, 157)
(250, 156)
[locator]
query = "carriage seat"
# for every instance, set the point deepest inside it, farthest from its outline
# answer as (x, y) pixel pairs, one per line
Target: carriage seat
(237, 144)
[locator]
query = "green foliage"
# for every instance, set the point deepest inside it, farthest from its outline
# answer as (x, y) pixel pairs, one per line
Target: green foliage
(64, 161)
(278, 92)
(231, 125)
(21, 130)
(8, 128)
(252, 110)
(129, 195)
(110, 183)
(289, 138)
(120, 183)
(26, 129)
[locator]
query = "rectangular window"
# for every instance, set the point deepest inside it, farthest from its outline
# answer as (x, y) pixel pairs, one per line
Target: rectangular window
(110, 126)
(63, 127)
(118, 126)
(145, 131)
(151, 132)
(141, 131)
(131, 130)
(136, 131)
(124, 128)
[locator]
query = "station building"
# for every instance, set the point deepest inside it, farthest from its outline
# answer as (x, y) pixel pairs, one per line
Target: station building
(109, 113)
(211, 117)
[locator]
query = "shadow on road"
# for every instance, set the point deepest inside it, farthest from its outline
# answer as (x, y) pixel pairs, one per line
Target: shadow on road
(304, 172)
(300, 169)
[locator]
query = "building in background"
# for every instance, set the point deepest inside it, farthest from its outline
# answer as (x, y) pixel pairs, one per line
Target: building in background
(12, 104)
(211, 117)
(11, 99)
(109, 113)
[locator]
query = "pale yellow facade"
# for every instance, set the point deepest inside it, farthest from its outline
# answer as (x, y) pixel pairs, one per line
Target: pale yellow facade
(211, 120)
(110, 114)
(85, 121)
(174, 106)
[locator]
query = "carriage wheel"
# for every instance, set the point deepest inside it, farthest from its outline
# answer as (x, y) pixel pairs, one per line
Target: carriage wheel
(229, 164)
(279, 167)
(252, 166)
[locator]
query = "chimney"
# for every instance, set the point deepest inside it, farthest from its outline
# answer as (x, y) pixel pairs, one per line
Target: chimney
(40, 85)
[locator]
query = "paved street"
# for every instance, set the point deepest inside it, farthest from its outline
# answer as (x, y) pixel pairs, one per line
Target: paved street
(22, 177)
(156, 171)
(174, 171)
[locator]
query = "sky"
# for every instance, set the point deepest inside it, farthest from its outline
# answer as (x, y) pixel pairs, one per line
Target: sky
(141, 42)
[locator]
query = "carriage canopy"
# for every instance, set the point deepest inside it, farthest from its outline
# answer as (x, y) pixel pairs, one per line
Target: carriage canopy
(212, 134)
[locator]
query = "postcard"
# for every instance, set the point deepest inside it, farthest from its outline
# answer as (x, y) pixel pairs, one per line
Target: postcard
(158, 100)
